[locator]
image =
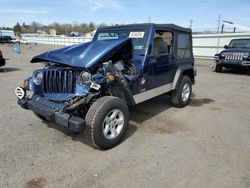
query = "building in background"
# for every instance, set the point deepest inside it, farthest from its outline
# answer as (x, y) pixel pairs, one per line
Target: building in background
(52, 32)
(7, 33)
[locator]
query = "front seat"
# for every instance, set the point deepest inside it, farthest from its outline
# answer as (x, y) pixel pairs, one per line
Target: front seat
(157, 40)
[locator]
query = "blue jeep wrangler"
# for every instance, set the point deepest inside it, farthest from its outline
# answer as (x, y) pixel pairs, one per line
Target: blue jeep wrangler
(90, 86)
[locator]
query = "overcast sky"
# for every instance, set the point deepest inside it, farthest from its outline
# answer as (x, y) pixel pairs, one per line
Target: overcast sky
(203, 13)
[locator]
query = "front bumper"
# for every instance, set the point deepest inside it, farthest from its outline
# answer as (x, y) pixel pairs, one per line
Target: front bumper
(233, 63)
(2, 62)
(53, 112)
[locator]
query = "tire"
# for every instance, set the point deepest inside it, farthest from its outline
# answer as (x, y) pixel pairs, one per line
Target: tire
(218, 68)
(102, 130)
(181, 96)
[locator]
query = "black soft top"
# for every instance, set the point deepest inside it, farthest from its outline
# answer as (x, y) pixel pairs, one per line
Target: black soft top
(158, 26)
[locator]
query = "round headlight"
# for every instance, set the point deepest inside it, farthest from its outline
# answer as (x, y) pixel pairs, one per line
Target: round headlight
(37, 77)
(245, 55)
(84, 77)
(222, 54)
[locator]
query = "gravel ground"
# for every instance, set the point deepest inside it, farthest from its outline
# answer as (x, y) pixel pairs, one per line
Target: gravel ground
(206, 144)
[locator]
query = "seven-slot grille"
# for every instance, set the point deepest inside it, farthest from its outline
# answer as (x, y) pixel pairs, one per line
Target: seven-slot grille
(233, 55)
(59, 81)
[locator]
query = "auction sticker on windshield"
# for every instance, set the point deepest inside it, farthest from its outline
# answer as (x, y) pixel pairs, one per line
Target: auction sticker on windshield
(136, 34)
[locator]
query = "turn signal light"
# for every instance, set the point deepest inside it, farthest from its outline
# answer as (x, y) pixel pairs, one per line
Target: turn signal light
(111, 76)
(25, 84)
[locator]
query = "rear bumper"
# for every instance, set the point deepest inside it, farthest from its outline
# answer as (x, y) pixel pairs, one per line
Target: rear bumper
(52, 112)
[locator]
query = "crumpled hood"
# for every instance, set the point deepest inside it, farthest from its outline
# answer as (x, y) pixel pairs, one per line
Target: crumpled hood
(84, 55)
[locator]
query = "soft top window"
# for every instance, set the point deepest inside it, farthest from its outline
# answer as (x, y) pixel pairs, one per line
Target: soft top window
(184, 46)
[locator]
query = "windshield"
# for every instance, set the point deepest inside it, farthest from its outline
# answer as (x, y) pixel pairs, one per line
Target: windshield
(240, 43)
(139, 36)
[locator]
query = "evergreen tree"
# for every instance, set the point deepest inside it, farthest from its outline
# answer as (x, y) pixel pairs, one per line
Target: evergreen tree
(17, 29)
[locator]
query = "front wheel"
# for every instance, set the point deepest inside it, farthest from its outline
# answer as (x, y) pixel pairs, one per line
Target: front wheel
(218, 68)
(107, 122)
(181, 96)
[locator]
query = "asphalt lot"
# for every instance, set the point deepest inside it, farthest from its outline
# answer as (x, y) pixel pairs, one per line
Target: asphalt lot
(206, 144)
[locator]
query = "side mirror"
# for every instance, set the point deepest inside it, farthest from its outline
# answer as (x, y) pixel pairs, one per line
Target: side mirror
(226, 46)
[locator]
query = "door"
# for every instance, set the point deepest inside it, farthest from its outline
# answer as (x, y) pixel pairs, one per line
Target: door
(162, 65)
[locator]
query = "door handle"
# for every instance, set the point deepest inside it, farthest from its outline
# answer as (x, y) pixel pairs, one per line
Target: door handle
(172, 59)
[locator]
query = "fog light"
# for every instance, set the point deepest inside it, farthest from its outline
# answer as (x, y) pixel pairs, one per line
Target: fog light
(26, 84)
(20, 92)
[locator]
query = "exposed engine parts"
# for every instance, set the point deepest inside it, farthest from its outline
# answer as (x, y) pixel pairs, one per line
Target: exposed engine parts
(127, 68)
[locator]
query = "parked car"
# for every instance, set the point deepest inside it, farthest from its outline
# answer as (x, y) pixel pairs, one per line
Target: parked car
(20, 41)
(24, 41)
(90, 86)
(235, 55)
(76, 34)
(5, 39)
(2, 60)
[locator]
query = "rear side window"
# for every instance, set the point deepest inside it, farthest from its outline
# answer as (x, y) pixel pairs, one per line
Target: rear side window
(184, 46)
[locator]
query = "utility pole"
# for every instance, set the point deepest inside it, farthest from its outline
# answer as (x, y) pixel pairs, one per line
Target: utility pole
(219, 35)
(149, 19)
(218, 28)
(191, 23)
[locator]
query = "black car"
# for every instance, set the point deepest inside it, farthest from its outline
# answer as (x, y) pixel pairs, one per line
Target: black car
(235, 55)
(90, 86)
(2, 60)
(5, 39)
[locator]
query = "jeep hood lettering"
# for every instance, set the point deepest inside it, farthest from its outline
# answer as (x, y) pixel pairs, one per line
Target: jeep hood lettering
(84, 55)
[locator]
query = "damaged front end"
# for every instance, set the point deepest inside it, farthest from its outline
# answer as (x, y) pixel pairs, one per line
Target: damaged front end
(59, 94)
(74, 78)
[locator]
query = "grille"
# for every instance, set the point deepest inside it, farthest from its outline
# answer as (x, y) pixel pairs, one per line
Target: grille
(233, 55)
(59, 81)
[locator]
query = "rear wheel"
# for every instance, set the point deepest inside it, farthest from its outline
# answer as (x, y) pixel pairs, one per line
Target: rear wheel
(107, 122)
(181, 96)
